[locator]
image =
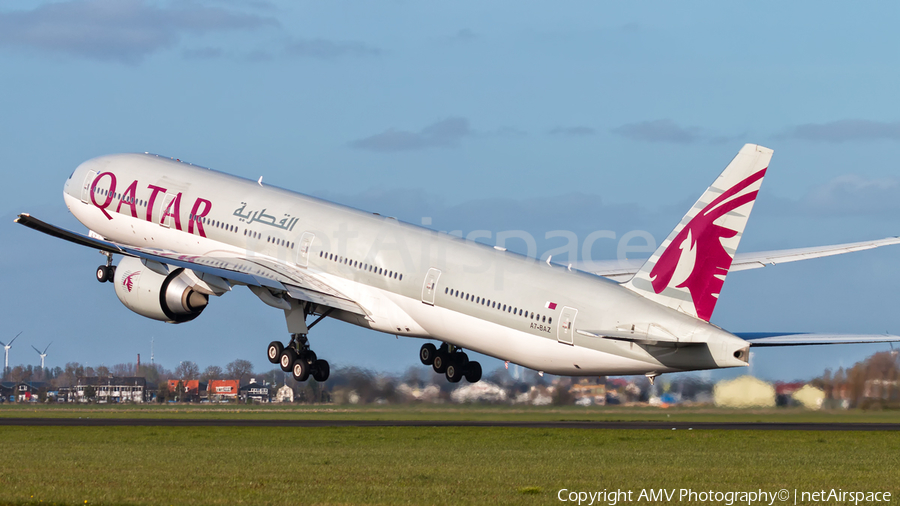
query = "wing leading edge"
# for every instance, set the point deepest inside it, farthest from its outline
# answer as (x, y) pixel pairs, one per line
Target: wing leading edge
(625, 269)
(257, 272)
(759, 339)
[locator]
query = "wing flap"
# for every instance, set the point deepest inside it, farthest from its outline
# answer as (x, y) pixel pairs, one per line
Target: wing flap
(325, 299)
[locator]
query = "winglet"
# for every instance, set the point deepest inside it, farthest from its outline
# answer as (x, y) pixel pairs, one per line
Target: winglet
(688, 270)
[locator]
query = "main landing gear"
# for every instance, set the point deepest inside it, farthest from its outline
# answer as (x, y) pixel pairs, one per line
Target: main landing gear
(106, 272)
(298, 359)
(450, 361)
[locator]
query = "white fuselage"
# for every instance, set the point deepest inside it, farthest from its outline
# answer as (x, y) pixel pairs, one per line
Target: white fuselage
(476, 297)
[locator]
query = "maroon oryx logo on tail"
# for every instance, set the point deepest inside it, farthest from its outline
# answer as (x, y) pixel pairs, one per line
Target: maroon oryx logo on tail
(700, 243)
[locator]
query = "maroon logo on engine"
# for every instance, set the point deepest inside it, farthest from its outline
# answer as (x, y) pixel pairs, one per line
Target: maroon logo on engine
(128, 282)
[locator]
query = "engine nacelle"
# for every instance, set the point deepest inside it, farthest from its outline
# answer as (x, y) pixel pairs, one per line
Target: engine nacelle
(168, 298)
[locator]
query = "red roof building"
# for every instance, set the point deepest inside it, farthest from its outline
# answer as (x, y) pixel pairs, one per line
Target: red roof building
(223, 390)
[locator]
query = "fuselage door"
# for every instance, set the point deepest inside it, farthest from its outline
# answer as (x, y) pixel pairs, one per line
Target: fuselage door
(86, 189)
(566, 332)
(430, 286)
(303, 247)
(167, 201)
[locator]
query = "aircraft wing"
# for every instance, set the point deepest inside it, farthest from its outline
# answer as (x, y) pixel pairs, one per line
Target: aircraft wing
(247, 270)
(624, 270)
(803, 339)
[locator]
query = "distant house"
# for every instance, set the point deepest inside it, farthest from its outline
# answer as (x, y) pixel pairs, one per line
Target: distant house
(587, 392)
(256, 392)
(29, 391)
(192, 389)
(744, 392)
(222, 390)
(809, 397)
(284, 394)
(483, 391)
(7, 391)
(784, 393)
(108, 389)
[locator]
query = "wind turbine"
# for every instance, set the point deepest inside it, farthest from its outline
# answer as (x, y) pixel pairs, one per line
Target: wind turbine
(43, 355)
(6, 348)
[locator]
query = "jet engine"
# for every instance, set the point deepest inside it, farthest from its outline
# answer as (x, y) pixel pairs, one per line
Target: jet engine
(169, 298)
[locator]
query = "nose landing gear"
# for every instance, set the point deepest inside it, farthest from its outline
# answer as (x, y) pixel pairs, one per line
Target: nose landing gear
(450, 361)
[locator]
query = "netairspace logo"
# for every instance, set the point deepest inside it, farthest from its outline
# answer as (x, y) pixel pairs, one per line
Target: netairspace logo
(729, 498)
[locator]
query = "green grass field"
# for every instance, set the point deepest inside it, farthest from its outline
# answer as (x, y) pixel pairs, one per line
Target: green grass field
(426, 465)
(160, 465)
(449, 412)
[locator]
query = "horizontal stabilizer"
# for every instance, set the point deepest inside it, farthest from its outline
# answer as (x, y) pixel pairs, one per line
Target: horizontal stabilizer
(805, 339)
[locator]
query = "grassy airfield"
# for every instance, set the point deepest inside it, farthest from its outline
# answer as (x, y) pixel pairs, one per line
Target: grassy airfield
(426, 465)
(448, 412)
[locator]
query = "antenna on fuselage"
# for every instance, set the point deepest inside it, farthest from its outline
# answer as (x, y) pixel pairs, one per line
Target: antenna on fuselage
(260, 180)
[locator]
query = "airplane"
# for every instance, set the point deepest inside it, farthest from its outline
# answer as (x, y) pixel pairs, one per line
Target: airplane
(186, 233)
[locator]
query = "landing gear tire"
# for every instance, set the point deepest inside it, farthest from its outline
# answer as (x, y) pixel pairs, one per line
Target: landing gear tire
(309, 356)
(112, 273)
(286, 359)
(321, 371)
(103, 274)
(427, 353)
(273, 352)
(300, 370)
(454, 371)
(440, 363)
(473, 372)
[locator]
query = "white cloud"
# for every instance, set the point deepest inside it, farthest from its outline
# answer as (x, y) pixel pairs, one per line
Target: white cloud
(853, 194)
(124, 31)
(445, 134)
(573, 131)
(329, 49)
(846, 130)
(661, 130)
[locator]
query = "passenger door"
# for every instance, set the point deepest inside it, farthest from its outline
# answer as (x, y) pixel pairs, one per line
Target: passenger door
(566, 332)
(303, 247)
(429, 288)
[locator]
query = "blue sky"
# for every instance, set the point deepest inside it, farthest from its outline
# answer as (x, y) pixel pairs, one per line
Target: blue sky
(499, 116)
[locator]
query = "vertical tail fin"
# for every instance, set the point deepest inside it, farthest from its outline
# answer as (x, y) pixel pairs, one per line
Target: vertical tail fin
(688, 269)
